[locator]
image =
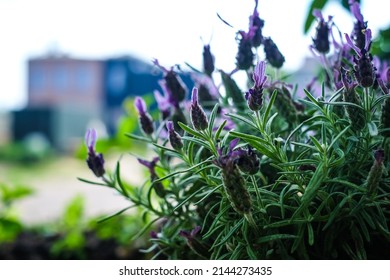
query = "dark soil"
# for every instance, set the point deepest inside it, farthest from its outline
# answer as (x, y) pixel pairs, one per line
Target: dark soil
(35, 246)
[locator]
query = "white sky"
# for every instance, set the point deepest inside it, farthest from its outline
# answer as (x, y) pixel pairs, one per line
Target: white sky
(169, 30)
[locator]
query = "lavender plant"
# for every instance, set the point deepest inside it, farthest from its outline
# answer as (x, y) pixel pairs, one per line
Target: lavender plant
(261, 175)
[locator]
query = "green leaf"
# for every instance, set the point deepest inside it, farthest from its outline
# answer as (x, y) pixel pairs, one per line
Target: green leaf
(372, 128)
(190, 130)
(119, 180)
(230, 233)
(315, 4)
(311, 189)
(212, 118)
(219, 130)
(273, 237)
(269, 107)
(242, 119)
(139, 138)
(93, 183)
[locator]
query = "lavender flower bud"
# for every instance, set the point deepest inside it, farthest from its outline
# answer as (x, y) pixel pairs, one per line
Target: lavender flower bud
(255, 95)
(195, 244)
(95, 161)
(376, 171)
(145, 119)
(198, 116)
(157, 186)
(272, 53)
(256, 24)
(174, 84)
(236, 189)
(285, 104)
(174, 137)
(233, 182)
(208, 61)
(321, 40)
(359, 26)
(247, 161)
(245, 55)
(364, 69)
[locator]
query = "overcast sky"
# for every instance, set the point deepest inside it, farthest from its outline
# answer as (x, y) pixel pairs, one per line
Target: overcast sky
(169, 30)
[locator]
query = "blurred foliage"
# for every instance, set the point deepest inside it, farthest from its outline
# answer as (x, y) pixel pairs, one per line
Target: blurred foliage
(10, 226)
(381, 45)
(21, 152)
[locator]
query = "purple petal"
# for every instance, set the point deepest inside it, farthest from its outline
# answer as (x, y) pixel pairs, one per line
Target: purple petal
(350, 43)
(90, 138)
(170, 126)
(355, 10)
(317, 13)
(162, 101)
(233, 143)
(140, 105)
(194, 96)
(195, 231)
(368, 37)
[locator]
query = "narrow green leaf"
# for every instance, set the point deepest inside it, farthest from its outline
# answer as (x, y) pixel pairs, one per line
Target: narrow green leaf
(310, 234)
(190, 130)
(338, 137)
(212, 118)
(269, 107)
(242, 119)
(219, 130)
(317, 144)
(335, 212)
(372, 129)
(119, 180)
(273, 237)
(230, 233)
(144, 229)
(139, 138)
(93, 183)
(116, 214)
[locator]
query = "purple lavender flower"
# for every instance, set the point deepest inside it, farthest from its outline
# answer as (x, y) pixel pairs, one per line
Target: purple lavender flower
(208, 61)
(208, 93)
(95, 161)
(145, 119)
(321, 40)
(360, 26)
(256, 24)
(255, 95)
(233, 181)
(174, 84)
(364, 70)
(151, 165)
(245, 55)
(272, 53)
(174, 137)
(376, 172)
(198, 116)
(163, 104)
(195, 243)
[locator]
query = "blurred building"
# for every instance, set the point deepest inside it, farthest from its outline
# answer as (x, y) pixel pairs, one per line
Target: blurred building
(67, 94)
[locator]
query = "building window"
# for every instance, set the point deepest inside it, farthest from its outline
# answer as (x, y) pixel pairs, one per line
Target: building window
(117, 79)
(60, 78)
(37, 78)
(84, 79)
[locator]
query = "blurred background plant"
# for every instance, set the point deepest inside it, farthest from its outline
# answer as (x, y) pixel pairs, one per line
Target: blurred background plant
(46, 161)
